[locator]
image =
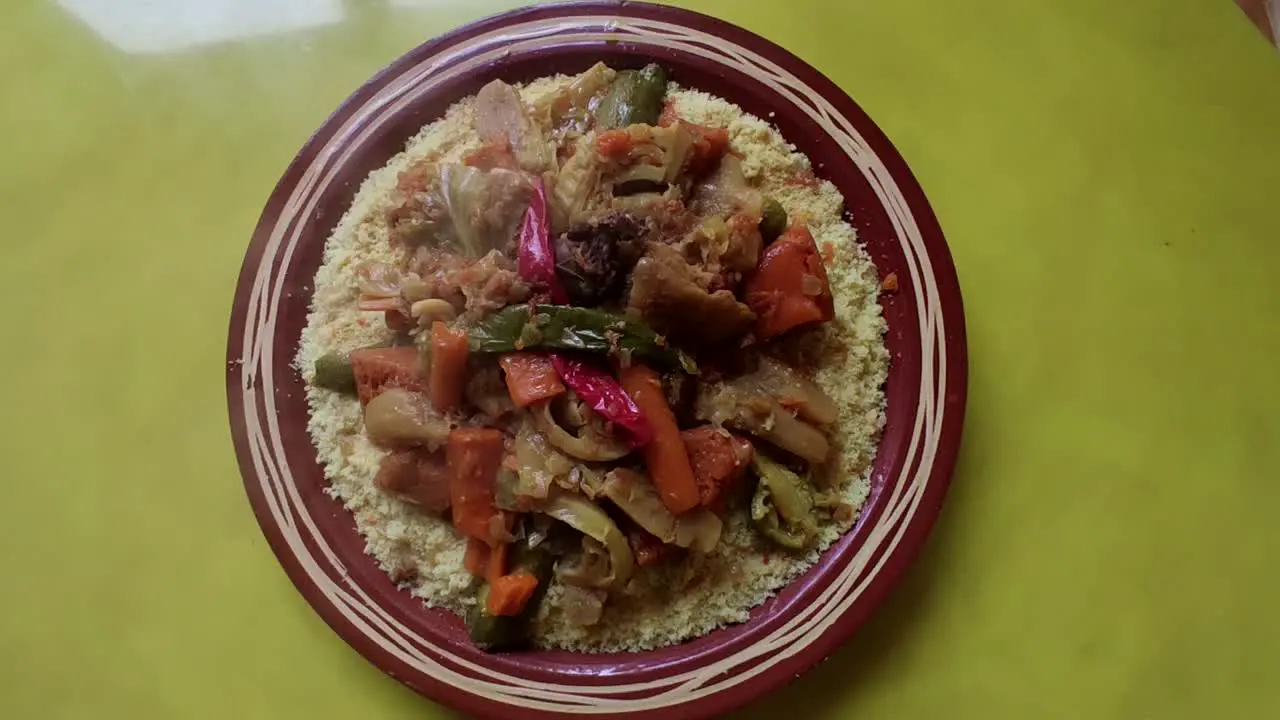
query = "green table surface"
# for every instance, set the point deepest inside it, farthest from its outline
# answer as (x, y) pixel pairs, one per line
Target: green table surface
(1106, 174)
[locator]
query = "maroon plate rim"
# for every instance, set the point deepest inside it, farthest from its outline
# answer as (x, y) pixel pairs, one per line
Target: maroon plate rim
(314, 538)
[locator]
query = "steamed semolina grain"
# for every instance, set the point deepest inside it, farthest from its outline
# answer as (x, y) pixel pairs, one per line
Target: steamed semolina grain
(660, 606)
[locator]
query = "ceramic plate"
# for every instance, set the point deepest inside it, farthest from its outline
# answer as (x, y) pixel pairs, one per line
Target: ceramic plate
(315, 539)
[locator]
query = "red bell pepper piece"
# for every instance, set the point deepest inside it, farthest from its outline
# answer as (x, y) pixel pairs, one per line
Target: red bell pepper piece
(605, 395)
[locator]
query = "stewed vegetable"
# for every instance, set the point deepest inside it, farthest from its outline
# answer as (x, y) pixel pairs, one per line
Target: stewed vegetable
(505, 632)
(782, 508)
(333, 371)
(634, 98)
(560, 327)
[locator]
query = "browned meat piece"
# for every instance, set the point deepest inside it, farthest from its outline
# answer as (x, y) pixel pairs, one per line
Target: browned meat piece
(474, 287)
(647, 549)
(718, 458)
(666, 294)
(593, 259)
(417, 477)
(491, 283)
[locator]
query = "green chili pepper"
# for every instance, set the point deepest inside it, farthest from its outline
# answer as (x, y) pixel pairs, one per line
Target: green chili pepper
(782, 508)
(334, 371)
(559, 327)
(635, 97)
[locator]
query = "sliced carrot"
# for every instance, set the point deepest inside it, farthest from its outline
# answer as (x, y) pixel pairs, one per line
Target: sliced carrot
(448, 376)
(530, 377)
(377, 369)
(474, 455)
(665, 455)
(497, 562)
(509, 594)
(790, 287)
(476, 561)
(614, 143)
(495, 154)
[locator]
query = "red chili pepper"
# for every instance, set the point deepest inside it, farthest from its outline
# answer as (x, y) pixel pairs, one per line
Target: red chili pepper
(537, 261)
(605, 395)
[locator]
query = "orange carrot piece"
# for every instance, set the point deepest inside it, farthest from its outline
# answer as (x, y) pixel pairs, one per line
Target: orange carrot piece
(530, 377)
(614, 143)
(449, 351)
(509, 594)
(665, 455)
(497, 562)
(377, 369)
(476, 561)
(474, 455)
(494, 154)
(779, 292)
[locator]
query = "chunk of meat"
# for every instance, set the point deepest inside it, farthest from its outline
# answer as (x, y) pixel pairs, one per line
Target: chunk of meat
(593, 258)
(666, 294)
(647, 549)
(415, 476)
(489, 284)
(718, 458)
(377, 369)
(437, 272)
(475, 288)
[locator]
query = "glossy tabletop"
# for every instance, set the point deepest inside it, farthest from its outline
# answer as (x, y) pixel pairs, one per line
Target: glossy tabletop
(1106, 174)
